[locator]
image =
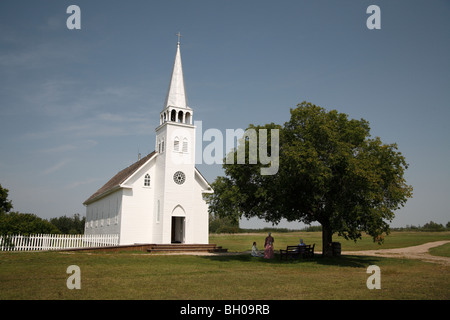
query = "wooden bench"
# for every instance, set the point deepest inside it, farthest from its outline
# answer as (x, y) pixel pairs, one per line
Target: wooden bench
(309, 252)
(296, 252)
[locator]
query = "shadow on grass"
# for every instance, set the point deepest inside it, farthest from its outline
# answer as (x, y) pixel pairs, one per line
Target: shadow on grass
(348, 261)
(342, 261)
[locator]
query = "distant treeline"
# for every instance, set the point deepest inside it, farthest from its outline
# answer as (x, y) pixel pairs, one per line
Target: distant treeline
(226, 226)
(281, 230)
(430, 226)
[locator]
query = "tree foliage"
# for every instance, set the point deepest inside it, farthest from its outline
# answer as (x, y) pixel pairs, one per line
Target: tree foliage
(69, 225)
(330, 171)
(25, 224)
(226, 224)
(5, 204)
(433, 226)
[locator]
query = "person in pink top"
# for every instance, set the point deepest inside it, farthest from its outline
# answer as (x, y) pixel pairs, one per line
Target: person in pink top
(268, 247)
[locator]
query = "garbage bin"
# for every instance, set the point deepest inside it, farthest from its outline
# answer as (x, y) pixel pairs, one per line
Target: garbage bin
(336, 246)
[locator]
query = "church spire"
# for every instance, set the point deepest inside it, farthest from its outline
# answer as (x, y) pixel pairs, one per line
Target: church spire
(176, 95)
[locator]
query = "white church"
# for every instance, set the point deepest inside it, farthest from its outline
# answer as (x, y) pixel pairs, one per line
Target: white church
(160, 198)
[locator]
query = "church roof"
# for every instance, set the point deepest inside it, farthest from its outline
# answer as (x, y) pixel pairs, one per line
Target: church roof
(119, 178)
(176, 94)
(116, 182)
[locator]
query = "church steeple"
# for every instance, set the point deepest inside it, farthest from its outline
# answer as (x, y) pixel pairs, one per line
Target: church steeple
(176, 95)
(175, 106)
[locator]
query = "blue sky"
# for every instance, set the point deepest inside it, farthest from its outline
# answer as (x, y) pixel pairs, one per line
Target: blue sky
(76, 106)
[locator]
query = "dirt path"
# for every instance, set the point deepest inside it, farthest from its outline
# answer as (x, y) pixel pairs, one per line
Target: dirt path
(416, 252)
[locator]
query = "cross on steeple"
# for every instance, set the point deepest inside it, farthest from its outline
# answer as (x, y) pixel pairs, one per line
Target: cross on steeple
(179, 36)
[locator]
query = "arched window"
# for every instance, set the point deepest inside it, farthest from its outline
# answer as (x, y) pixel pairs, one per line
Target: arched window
(187, 118)
(147, 180)
(161, 146)
(180, 116)
(173, 115)
(176, 144)
(185, 145)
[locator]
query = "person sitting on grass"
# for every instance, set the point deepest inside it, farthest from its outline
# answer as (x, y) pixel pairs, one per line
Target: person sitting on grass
(255, 252)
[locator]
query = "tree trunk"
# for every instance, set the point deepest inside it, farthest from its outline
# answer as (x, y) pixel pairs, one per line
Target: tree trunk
(327, 241)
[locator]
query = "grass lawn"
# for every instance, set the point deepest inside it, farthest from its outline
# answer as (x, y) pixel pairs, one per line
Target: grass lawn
(132, 275)
(443, 251)
(243, 242)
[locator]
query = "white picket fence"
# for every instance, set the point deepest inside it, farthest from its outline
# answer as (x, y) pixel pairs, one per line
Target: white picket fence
(43, 242)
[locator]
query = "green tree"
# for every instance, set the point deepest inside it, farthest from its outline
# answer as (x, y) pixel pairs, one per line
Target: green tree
(69, 225)
(223, 224)
(5, 204)
(433, 226)
(25, 224)
(330, 171)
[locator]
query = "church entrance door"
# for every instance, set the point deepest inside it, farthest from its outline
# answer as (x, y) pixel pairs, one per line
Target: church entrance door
(178, 229)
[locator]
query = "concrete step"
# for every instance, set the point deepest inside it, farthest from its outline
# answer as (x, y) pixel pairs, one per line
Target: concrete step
(181, 247)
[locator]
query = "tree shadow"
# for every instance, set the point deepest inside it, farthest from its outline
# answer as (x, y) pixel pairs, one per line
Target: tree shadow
(347, 261)
(340, 261)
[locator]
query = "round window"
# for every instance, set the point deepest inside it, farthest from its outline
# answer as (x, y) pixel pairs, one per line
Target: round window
(179, 177)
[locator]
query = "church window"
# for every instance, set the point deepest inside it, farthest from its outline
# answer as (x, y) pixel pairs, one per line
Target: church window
(109, 213)
(173, 115)
(179, 177)
(147, 180)
(176, 144)
(116, 220)
(185, 145)
(187, 118)
(180, 116)
(161, 146)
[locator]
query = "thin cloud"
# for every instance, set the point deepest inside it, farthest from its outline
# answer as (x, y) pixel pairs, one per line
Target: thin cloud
(56, 167)
(79, 145)
(76, 184)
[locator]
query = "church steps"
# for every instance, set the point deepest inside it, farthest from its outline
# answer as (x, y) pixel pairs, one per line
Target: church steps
(186, 248)
(169, 248)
